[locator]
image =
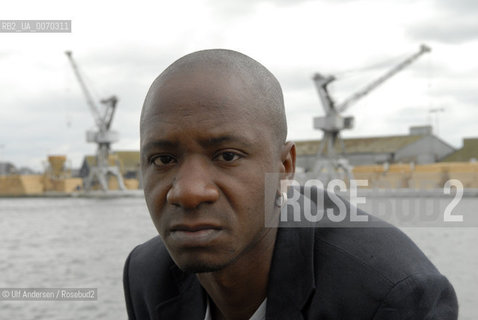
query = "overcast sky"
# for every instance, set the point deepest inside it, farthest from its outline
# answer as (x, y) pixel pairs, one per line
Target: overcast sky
(122, 46)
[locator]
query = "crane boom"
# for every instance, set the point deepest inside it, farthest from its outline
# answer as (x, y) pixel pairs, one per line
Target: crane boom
(110, 110)
(344, 105)
(89, 99)
(321, 83)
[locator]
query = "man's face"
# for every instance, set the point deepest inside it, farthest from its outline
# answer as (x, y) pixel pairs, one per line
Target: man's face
(204, 154)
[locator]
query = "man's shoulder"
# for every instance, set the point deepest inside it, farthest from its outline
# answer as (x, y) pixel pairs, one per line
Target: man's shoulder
(360, 273)
(383, 271)
(383, 249)
(368, 243)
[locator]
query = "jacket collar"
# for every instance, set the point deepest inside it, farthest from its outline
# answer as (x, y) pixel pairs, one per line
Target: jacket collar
(292, 277)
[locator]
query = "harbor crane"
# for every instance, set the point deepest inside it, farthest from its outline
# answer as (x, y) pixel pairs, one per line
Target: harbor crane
(103, 136)
(330, 164)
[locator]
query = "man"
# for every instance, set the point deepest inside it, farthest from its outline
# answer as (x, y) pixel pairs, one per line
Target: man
(212, 129)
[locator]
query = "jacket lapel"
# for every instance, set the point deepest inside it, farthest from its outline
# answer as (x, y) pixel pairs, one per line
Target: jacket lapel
(189, 304)
(292, 277)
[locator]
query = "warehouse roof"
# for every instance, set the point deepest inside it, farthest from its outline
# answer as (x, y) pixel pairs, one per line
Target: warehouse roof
(466, 153)
(362, 145)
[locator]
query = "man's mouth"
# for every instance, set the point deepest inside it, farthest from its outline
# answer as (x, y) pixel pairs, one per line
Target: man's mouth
(194, 235)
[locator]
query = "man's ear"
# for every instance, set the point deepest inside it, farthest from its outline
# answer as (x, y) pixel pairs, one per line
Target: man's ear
(288, 160)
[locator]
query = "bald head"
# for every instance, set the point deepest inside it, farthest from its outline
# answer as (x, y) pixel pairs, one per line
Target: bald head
(262, 94)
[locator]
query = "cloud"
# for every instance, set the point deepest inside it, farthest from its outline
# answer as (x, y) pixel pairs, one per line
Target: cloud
(238, 8)
(459, 6)
(449, 29)
(457, 92)
(455, 22)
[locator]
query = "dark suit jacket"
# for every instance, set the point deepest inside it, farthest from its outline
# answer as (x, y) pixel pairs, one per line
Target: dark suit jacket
(316, 273)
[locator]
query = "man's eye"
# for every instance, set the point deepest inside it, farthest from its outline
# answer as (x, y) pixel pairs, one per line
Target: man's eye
(162, 160)
(228, 156)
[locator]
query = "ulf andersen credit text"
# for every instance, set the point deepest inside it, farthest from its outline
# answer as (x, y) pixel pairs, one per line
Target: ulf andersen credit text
(39, 294)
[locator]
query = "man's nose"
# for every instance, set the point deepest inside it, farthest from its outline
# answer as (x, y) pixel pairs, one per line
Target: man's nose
(193, 184)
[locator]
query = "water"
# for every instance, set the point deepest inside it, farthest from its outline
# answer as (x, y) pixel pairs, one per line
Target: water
(75, 243)
(69, 243)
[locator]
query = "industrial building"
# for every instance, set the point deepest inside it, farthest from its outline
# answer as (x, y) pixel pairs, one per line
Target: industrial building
(420, 146)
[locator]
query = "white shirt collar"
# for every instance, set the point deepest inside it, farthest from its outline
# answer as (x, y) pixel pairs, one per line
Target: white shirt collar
(260, 313)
